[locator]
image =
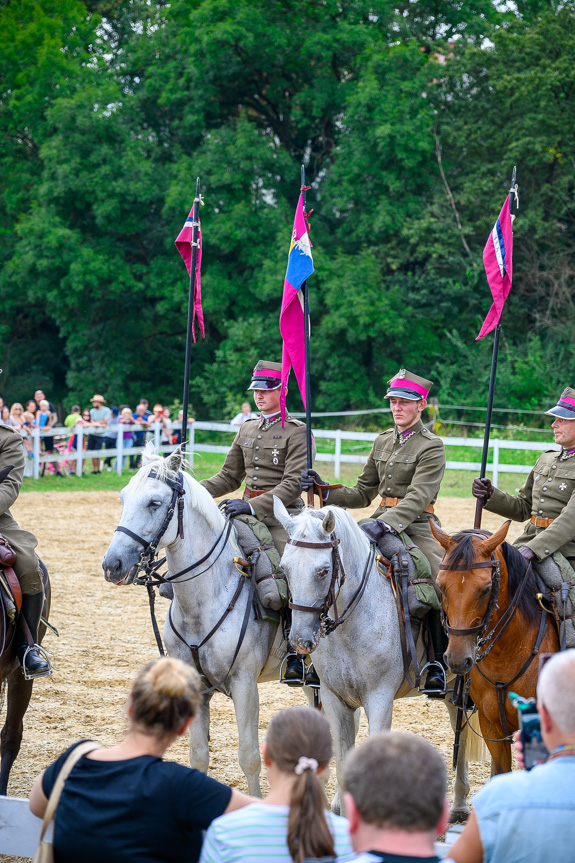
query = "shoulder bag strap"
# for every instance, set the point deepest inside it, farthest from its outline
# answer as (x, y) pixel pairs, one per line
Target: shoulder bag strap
(67, 766)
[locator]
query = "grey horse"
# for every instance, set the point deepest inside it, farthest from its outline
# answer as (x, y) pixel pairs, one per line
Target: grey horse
(360, 663)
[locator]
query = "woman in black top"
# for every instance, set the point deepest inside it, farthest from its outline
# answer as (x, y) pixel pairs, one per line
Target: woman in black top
(126, 803)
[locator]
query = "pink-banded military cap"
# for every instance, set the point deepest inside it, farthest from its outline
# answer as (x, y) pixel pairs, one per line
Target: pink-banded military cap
(565, 407)
(266, 376)
(407, 385)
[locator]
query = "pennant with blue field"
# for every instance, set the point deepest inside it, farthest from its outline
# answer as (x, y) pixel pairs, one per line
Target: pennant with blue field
(292, 322)
(498, 263)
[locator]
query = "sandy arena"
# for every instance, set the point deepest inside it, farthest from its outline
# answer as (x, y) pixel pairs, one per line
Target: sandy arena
(105, 635)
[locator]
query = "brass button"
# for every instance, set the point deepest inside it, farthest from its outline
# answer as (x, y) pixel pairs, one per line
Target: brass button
(257, 447)
(389, 475)
(256, 458)
(544, 487)
(257, 468)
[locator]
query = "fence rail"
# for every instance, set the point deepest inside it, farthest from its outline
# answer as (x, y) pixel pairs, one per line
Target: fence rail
(337, 458)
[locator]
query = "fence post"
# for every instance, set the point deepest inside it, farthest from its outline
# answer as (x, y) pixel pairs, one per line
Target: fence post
(79, 429)
(190, 447)
(36, 451)
(337, 460)
(157, 435)
(120, 448)
(495, 468)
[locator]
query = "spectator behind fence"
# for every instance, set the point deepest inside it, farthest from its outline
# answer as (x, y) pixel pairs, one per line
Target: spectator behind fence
(140, 416)
(126, 418)
(125, 803)
(529, 817)
(5, 415)
(162, 415)
(293, 822)
(246, 413)
(111, 435)
(99, 416)
(43, 420)
(38, 397)
(177, 436)
(31, 407)
(17, 415)
(395, 798)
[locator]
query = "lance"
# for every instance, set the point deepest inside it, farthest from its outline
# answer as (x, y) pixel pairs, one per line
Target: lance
(188, 361)
(306, 323)
(480, 502)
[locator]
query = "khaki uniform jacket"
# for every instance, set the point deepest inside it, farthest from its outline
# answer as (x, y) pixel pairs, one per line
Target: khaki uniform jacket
(22, 541)
(252, 455)
(548, 492)
(412, 472)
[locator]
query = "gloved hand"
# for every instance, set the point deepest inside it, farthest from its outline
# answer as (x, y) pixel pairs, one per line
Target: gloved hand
(527, 553)
(238, 507)
(307, 480)
(374, 529)
(482, 488)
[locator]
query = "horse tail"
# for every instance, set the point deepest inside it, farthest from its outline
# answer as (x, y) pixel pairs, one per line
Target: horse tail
(475, 746)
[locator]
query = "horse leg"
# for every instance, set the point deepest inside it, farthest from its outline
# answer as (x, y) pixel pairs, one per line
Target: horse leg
(199, 736)
(459, 808)
(500, 750)
(378, 706)
(244, 691)
(342, 720)
(18, 699)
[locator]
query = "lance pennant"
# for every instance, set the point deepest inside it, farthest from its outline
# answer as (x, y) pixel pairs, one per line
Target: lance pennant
(299, 268)
(498, 263)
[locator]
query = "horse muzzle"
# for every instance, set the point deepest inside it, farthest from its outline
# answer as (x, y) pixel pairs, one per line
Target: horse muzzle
(116, 572)
(460, 658)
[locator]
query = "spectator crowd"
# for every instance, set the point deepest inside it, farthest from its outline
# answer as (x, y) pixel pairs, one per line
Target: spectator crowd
(100, 426)
(127, 803)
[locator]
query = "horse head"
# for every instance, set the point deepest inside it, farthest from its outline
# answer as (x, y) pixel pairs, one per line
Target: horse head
(469, 580)
(146, 502)
(308, 562)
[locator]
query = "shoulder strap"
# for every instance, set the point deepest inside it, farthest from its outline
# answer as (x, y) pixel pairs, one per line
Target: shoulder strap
(67, 766)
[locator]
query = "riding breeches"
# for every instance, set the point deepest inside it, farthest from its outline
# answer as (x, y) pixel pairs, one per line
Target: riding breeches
(24, 544)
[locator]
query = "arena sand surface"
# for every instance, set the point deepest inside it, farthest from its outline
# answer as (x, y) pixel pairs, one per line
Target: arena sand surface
(105, 636)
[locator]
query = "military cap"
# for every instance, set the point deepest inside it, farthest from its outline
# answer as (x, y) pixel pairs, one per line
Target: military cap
(565, 407)
(407, 385)
(266, 376)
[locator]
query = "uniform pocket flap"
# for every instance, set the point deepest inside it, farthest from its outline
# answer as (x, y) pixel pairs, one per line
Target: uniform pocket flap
(275, 444)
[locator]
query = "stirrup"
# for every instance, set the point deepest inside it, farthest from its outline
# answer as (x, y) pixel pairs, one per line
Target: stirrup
(308, 672)
(438, 693)
(44, 655)
(287, 681)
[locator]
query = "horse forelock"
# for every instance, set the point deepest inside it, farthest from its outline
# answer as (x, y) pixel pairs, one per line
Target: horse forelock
(463, 553)
(308, 525)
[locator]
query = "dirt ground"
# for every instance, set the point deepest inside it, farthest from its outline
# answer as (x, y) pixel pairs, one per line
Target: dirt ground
(105, 636)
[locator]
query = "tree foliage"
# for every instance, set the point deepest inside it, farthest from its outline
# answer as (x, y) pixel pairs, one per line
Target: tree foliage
(408, 116)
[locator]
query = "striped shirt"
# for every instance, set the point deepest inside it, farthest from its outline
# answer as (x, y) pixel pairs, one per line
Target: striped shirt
(258, 832)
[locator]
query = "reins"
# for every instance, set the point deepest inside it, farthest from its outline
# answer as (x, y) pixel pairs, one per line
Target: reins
(338, 577)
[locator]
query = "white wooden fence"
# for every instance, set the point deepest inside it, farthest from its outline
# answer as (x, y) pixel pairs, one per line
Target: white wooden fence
(336, 458)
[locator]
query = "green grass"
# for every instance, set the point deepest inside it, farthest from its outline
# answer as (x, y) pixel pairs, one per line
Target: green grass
(456, 483)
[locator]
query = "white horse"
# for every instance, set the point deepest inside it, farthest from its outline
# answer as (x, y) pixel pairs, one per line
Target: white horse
(201, 598)
(360, 663)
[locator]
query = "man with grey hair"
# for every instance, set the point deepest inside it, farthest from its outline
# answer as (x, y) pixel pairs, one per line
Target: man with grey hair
(529, 817)
(395, 801)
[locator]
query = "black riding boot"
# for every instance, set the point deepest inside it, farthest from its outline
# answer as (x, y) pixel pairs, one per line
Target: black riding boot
(435, 678)
(31, 660)
(294, 669)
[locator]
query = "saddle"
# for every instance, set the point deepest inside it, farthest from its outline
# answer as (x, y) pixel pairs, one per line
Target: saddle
(558, 578)
(10, 595)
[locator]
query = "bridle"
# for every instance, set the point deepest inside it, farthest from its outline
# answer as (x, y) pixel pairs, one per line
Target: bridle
(494, 564)
(338, 576)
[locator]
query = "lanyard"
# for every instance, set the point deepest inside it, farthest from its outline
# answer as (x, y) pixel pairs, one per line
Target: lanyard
(568, 749)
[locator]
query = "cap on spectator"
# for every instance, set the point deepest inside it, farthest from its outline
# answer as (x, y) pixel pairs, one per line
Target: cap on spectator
(98, 398)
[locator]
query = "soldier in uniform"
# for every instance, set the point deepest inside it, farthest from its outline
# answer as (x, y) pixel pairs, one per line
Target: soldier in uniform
(270, 458)
(27, 567)
(404, 468)
(547, 497)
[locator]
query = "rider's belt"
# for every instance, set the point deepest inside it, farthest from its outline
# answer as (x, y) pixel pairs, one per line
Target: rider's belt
(249, 492)
(393, 501)
(541, 522)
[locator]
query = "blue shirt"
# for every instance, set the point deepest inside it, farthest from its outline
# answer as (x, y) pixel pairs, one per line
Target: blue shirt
(529, 817)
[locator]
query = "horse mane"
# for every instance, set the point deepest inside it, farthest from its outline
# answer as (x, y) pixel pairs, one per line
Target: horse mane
(196, 497)
(348, 531)
(517, 569)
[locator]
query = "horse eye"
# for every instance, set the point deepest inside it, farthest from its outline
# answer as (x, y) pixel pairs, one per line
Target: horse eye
(154, 504)
(323, 572)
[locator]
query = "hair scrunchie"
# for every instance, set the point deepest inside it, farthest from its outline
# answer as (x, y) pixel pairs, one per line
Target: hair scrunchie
(305, 764)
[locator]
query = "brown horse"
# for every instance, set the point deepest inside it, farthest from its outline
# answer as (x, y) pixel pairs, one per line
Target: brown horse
(19, 688)
(496, 628)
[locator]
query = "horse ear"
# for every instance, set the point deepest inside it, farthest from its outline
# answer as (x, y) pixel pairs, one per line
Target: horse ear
(442, 538)
(490, 544)
(149, 453)
(328, 524)
(282, 515)
(174, 460)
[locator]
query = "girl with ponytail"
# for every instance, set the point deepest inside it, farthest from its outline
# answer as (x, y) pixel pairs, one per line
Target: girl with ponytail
(125, 803)
(293, 822)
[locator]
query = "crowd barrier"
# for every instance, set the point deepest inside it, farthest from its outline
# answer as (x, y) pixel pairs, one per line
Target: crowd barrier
(337, 458)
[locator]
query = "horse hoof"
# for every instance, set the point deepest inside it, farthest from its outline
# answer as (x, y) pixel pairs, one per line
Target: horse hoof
(458, 816)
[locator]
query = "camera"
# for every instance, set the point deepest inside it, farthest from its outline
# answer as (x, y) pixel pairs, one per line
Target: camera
(534, 750)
